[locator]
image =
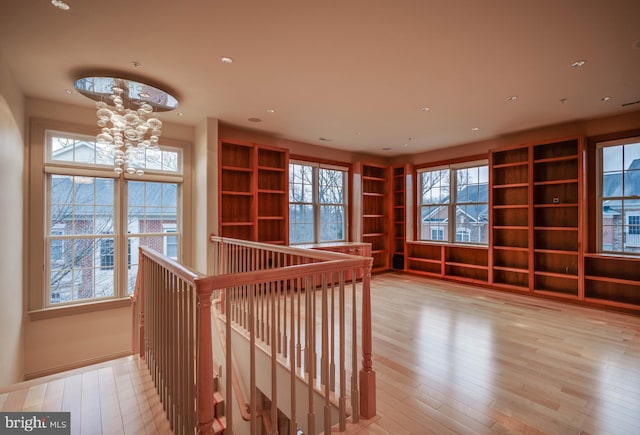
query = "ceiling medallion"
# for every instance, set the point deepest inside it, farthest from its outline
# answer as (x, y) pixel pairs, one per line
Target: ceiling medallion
(126, 112)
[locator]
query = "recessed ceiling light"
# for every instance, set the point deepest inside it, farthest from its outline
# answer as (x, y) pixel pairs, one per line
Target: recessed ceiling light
(226, 60)
(512, 97)
(325, 139)
(605, 98)
(386, 149)
(68, 91)
(136, 64)
(578, 63)
(180, 113)
(254, 120)
(475, 128)
(425, 109)
(564, 100)
(271, 110)
(61, 4)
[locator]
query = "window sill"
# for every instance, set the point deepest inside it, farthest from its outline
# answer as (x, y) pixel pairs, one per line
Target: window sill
(70, 310)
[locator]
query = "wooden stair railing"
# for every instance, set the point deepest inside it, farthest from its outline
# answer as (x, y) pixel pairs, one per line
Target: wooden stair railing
(291, 300)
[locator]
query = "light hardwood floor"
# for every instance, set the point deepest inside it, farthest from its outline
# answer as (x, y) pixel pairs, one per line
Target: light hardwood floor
(116, 397)
(449, 358)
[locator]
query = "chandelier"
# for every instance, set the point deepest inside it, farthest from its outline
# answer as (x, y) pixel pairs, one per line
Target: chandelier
(126, 113)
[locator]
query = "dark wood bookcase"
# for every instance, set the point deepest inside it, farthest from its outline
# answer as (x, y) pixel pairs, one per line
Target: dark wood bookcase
(375, 212)
(612, 280)
(557, 217)
(399, 215)
(509, 217)
(425, 259)
(253, 201)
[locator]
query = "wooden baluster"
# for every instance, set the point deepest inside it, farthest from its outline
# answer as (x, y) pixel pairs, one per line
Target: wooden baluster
(324, 358)
(228, 409)
(252, 360)
(309, 354)
(332, 368)
(355, 395)
(141, 303)
(274, 366)
(342, 404)
(293, 425)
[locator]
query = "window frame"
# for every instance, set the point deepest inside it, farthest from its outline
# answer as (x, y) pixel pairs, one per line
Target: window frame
(450, 228)
(600, 199)
(315, 202)
(40, 166)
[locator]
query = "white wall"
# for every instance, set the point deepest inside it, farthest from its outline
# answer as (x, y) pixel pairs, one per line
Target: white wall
(11, 222)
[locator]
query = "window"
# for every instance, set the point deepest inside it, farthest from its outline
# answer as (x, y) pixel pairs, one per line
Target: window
(634, 225)
(619, 196)
(437, 234)
(170, 242)
(317, 205)
(106, 254)
(453, 203)
(85, 237)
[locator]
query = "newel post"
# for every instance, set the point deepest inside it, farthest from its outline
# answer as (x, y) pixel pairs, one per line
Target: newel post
(367, 375)
(204, 381)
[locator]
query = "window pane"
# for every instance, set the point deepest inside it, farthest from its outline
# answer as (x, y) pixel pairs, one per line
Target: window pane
(435, 187)
(472, 222)
(150, 206)
(632, 156)
(301, 223)
(631, 183)
(612, 184)
(331, 182)
(300, 183)
(434, 223)
(78, 149)
(612, 159)
(77, 270)
(331, 223)
(631, 226)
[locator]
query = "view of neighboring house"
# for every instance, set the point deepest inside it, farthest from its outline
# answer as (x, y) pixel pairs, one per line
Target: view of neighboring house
(621, 217)
(82, 241)
(472, 219)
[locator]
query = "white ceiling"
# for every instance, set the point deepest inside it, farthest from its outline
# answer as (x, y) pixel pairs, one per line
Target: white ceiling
(357, 72)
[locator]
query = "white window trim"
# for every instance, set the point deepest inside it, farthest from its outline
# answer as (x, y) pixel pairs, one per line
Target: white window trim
(316, 166)
(36, 248)
(599, 192)
(450, 235)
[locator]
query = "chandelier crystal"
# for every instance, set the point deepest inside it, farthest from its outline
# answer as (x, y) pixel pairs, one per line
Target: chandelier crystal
(126, 112)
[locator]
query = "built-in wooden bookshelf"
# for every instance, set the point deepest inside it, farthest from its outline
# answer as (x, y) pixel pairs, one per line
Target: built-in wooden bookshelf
(509, 217)
(253, 192)
(557, 212)
(398, 213)
(425, 258)
(375, 212)
(273, 201)
(612, 280)
(237, 200)
(468, 263)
